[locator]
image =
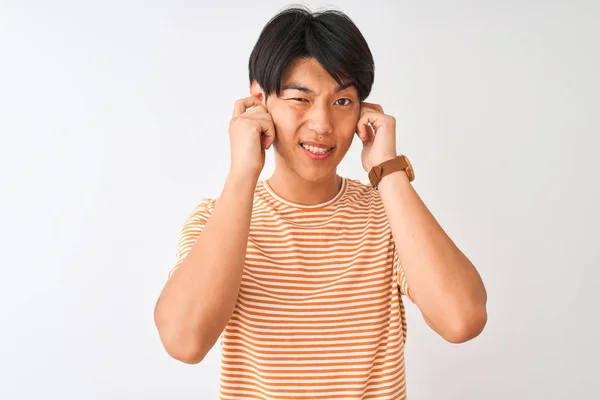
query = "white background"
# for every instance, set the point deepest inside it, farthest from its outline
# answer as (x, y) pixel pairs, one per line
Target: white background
(113, 123)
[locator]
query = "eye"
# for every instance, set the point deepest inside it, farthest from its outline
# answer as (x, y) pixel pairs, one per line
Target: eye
(348, 102)
(298, 99)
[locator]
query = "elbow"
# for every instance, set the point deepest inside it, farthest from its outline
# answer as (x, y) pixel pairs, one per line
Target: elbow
(180, 343)
(466, 326)
(188, 354)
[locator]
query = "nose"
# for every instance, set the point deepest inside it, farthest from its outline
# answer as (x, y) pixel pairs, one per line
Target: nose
(319, 120)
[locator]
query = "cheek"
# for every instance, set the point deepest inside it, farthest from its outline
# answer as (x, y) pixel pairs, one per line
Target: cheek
(347, 134)
(286, 126)
(348, 129)
(346, 142)
(347, 120)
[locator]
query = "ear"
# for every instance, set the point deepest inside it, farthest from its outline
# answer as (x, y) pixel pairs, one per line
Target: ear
(257, 91)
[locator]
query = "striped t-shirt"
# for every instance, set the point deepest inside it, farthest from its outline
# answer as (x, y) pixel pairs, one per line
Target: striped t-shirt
(319, 313)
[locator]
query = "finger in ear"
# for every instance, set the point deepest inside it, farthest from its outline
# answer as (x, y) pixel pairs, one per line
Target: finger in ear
(360, 132)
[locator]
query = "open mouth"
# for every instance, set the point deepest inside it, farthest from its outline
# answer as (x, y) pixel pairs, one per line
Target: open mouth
(318, 151)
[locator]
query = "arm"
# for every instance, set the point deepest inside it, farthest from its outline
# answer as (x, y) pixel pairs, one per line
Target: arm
(443, 283)
(198, 300)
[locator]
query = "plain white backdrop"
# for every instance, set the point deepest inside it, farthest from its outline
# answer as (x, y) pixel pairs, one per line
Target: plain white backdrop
(113, 124)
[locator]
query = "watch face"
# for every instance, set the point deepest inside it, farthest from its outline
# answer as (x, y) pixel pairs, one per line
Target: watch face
(406, 160)
(409, 169)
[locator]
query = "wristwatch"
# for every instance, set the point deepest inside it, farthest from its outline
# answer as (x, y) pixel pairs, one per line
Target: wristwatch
(387, 167)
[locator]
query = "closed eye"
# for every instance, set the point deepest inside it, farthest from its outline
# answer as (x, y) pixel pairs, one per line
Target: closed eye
(347, 101)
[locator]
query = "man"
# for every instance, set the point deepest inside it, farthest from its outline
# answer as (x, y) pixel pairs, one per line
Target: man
(301, 275)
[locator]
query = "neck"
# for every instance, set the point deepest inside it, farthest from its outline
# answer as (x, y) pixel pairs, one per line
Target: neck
(296, 189)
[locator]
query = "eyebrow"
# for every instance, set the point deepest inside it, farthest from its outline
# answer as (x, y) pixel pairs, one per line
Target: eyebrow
(299, 87)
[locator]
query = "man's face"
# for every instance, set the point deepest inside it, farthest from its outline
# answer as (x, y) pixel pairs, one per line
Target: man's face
(315, 120)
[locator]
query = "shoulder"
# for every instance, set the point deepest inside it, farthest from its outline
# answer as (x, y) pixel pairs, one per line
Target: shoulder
(206, 203)
(202, 209)
(362, 192)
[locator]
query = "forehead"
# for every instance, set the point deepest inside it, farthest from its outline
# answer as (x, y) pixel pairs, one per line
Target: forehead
(308, 72)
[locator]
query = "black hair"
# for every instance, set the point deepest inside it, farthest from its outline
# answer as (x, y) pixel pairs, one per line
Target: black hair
(329, 36)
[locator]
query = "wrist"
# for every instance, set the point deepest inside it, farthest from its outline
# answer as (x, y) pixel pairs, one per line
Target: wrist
(241, 178)
(392, 180)
(381, 160)
(396, 164)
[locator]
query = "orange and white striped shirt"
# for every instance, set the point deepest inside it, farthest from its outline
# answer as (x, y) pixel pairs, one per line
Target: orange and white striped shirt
(319, 313)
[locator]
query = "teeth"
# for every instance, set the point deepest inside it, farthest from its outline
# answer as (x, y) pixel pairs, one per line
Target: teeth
(316, 150)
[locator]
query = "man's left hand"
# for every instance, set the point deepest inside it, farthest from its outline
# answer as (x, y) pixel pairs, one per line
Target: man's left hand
(379, 138)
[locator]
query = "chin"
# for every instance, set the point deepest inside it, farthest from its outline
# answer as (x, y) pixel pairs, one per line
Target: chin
(315, 175)
(310, 170)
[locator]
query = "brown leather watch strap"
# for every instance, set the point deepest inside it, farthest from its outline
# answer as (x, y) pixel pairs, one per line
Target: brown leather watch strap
(385, 168)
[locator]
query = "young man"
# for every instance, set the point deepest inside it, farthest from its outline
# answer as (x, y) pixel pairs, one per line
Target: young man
(301, 275)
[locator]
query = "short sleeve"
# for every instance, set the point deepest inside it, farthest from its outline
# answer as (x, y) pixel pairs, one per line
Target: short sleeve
(192, 227)
(400, 277)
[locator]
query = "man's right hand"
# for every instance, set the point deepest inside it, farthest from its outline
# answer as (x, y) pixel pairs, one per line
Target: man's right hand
(251, 132)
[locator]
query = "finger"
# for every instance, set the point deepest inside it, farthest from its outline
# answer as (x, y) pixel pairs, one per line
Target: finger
(266, 142)
(268, 138)
(367, 136)
(365, 133)
(257, 109)
(370, 132)
(254, 114)
(374, 106)
(366, 127)
(361, 130)
(370, 135)
(374, 118)
(267, 129)
(242, 105)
